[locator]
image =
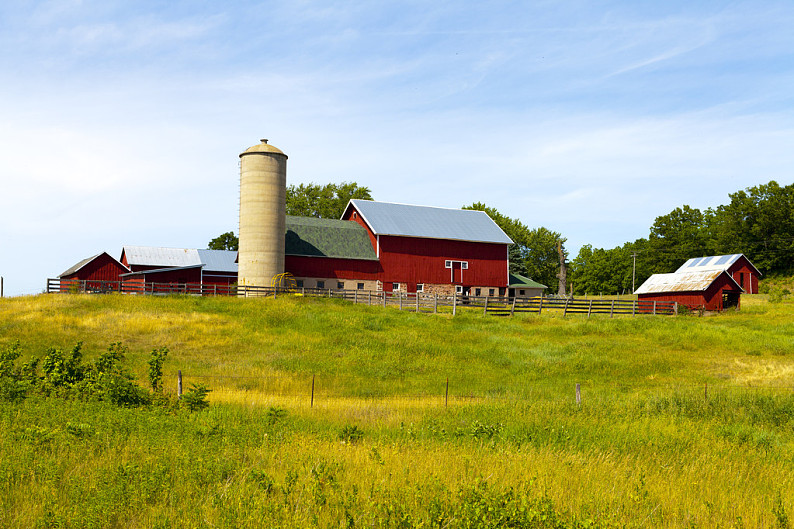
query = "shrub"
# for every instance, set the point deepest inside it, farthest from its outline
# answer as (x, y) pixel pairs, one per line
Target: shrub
(351, 434)
(195, 399)
(156, 359)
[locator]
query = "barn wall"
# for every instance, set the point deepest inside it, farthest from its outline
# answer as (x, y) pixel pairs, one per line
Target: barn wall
(416, 260)
(328, 267)
(102, 268)
(743, 266)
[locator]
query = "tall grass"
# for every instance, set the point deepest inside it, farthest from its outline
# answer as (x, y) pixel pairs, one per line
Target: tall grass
(685, 422)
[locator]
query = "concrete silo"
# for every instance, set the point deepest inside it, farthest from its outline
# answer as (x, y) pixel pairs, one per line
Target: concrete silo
(263, 195)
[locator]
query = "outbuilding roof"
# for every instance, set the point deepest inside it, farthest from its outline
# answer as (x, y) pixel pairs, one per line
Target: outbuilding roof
(218, 260)
(519, 281)
(713, 262)
(80, 264)
(696, 281)
(386, 218)
(313, 237)
(163, 257)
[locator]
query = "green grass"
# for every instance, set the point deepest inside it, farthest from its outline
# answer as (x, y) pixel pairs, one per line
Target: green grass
(647, 447)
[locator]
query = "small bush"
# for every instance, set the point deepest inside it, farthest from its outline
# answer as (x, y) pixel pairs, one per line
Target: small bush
(351, 434)
(156, 359)
(275, 415)
(195, 399)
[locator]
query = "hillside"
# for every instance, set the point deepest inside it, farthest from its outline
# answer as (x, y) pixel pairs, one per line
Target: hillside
(684, 421)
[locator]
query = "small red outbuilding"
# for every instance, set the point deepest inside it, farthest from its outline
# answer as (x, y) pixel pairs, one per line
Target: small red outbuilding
(712, 290)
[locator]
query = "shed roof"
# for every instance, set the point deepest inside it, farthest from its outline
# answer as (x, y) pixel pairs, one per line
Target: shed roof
(313, 237)
(519, 281)
(386, 218)
(80, 264)
(219, 260)
(160, 270)
(164, 257)
(713, 262)
(696, 281)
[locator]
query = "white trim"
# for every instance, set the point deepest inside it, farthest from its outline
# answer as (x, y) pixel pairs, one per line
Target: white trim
(377, 243)
(420, 287)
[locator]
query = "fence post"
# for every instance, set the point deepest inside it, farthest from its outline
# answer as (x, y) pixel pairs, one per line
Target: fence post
(565, 310)
(417, 302)
(654, 307)
(675, 308)
(611, 308)
(446, 395)
(633, 307)
(578, 394)
(179, 384)
(454, 301)
(384, 299)
(435, 303)
(311, 404)
(590, 308)
(400, 298)
(355, 297)
(513, 306)
(369, 300)
(485, 307)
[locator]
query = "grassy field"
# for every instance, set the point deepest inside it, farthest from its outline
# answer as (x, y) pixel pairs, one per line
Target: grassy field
(684, 422)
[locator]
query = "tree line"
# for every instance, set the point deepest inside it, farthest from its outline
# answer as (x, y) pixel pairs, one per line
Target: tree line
(757, 222)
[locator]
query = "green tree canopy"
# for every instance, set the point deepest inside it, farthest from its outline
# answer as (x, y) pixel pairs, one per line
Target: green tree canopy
(225, 241)
(326, 202)
(534, 253)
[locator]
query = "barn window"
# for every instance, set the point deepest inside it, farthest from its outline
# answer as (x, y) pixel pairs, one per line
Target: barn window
(355, 215)
(490, 292)
(299, 283)
(521, 292)
(447, 264)
(420, 287)
(458, 289)
(477, 292)
(464, 265)
(360, 286)
(320, 284)
(340, 285)
(395, 286)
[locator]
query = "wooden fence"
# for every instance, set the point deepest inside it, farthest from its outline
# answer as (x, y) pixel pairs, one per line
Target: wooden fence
(415, 302)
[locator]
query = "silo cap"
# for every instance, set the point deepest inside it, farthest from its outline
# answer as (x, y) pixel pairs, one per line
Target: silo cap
(263, 146)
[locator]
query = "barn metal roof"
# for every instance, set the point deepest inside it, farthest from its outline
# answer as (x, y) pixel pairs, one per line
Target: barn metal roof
(315, 237)
(712, 262)
(159, 270)
(386, 218)
(695, 281)
(218, 260)
(163, 257)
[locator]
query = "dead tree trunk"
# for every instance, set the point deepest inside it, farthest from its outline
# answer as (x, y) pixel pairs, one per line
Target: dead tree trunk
(563, 275)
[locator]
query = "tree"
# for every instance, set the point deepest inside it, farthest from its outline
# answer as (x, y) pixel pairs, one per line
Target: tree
(225, 241)
(534, 253)
(325, 202)
(678, 236)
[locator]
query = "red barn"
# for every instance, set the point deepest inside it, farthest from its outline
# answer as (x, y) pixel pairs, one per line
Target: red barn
(737, 266)
(430, 249)
(713, 290)
(95, 270)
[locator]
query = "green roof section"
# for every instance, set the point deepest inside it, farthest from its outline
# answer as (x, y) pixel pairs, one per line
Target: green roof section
(342, 239)
(519, 281)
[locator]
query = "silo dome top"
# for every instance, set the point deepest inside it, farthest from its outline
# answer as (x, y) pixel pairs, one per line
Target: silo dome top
(263, 146)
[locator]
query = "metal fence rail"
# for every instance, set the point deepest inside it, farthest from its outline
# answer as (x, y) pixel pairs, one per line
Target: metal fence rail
(412, 301)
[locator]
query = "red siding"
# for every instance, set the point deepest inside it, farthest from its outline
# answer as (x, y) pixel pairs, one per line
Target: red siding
(300, 266)
(102, 268)
(414, 260)
(749, 280)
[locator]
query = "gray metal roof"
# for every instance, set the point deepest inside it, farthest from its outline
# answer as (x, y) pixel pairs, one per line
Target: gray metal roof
(695, 281)
(164, 257)
(712, 262)
(218, 260)
(385, 218)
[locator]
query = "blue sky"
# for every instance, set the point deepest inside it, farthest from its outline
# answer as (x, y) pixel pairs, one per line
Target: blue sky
(122, 121)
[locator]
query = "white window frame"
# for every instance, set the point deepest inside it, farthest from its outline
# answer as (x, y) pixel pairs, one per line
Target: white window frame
(395, 287)
(420, 287)
(459, 289)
